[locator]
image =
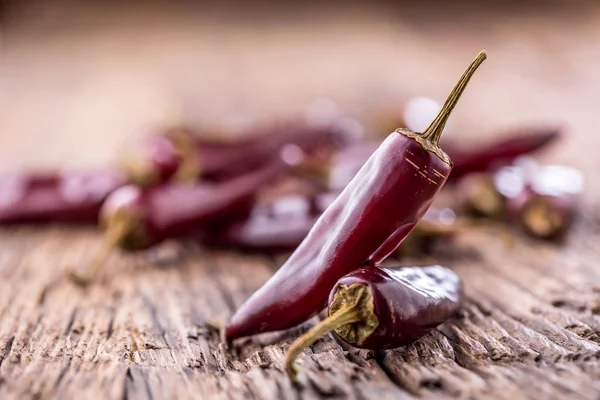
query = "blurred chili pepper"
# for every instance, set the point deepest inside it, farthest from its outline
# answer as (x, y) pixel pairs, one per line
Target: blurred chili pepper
(478, 194)
(182, 153)
(135, 218)
(383, 308)
(279, 225)
(502, 152)
(69, 197)
(364, 225)
(542, 200)
(438, 225)
(346, 163)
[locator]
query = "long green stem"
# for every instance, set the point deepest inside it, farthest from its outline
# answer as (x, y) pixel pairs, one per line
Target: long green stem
(434, 132)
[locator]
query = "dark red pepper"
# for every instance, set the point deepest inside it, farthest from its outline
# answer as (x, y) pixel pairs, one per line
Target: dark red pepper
(383, 308)
(346, 163)
(188, 156)
(365, 224)
(67, 197)
(135, 218)
(280, 225)
(502, 152)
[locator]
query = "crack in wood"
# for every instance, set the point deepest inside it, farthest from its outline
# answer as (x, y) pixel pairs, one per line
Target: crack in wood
(62, 373)
(7, 349)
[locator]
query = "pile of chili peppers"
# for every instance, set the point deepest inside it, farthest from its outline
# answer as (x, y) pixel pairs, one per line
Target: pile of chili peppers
(355, 202)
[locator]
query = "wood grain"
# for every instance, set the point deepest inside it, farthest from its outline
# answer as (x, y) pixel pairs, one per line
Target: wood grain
(74, 83)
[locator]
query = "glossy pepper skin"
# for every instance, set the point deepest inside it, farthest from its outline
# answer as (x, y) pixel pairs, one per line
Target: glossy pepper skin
(383, 308)
(65, 197)
(365, 224)
(409, 302)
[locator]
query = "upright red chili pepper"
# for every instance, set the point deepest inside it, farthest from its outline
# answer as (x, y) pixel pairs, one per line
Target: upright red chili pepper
(135, 218)
(365, 224)
(70, 197)
(383, 308)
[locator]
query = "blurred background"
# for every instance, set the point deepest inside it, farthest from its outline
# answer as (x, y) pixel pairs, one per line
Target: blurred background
(78, 78)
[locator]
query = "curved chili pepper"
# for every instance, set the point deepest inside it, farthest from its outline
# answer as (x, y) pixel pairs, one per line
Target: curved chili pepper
(135, 218)
(383, 308)
(346, 163)
(365, 224)
(69, 197)
(182, 153)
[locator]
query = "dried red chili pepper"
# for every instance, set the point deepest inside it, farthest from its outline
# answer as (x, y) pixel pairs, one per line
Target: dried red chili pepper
(280, 225)
(135, 218)
(346, 163)
(189, 156)
(542, 201)
(503, 152)
(365, 224)
(383, 308)
(69, 197)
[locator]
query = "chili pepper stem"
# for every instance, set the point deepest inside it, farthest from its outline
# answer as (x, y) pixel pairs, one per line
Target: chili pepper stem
(140, 172)
(113, 236)
(434, 132)
(190, 169)
(541, 219)
(351, 305)
(345, 315)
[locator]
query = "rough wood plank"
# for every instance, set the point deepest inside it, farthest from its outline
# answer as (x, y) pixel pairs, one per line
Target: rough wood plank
(150, 327)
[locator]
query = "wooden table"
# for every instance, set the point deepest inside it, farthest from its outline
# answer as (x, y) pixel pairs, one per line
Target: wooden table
(75, 81)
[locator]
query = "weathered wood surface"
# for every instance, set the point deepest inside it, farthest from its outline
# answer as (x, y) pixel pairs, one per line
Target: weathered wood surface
(149, 328)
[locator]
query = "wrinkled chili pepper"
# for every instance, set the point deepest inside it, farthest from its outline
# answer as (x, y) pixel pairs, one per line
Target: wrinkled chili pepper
(135, 218)
(346, 163)
(364, 225)
(68, 197)
(542, 201)
(383, 308)
(188, 156)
